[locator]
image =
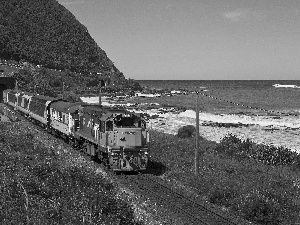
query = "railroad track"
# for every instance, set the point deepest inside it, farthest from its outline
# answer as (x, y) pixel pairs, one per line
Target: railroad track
(189, 210)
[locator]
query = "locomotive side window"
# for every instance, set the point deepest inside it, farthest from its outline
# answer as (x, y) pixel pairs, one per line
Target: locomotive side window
(53, 113)
(109, 125)
(102, 126)
(66, 119)
(76, 120)
(25, 103)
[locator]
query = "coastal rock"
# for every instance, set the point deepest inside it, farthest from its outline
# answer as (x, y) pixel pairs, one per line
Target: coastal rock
(217, 124)
(186, 131)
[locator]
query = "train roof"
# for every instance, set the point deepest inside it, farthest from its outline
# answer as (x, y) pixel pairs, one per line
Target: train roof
(12, 91)
(26, 94)
(18, 91)
(21, 93)
(121, 111)
(64, 106)
(100, 109)
(114, 111)
(74, 107)
(7, 90)
(111, 113)
(43, 97)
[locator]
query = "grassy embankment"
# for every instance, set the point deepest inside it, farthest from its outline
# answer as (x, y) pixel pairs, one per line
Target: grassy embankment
(256, 182)
(41, 185)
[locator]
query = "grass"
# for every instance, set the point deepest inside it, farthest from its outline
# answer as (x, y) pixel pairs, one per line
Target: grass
(38, 186)
(252, 188)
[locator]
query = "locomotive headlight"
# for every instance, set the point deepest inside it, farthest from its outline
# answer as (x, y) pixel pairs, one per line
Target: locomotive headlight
(114, 153)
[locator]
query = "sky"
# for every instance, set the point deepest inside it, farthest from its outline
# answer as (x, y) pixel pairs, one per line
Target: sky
(196, 39)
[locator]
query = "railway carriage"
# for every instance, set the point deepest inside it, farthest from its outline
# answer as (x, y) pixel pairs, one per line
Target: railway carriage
(61, 118)
(23, 101)
(5, 95)
(39, 109)
(18, 100)
(5, 110)
(12, 97)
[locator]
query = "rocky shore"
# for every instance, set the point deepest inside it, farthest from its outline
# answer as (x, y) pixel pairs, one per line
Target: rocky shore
(277, 131)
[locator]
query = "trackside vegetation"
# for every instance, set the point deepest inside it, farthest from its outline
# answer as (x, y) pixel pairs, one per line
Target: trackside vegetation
(256, 182)
(41, 186)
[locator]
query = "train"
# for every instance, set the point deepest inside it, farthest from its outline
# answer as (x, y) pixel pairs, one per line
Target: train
(119, 138)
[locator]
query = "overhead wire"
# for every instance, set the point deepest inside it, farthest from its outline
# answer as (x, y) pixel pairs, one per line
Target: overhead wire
(246, 106)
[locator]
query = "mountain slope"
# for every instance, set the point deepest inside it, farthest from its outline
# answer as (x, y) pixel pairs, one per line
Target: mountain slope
(45, 32)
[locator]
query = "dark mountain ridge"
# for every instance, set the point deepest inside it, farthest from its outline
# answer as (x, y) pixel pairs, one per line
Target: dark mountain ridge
(44, 32)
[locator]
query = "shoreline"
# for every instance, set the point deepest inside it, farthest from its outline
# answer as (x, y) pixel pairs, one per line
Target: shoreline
(259, 129)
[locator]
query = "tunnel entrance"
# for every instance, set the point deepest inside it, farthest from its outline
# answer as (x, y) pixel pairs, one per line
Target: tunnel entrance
(2, 88)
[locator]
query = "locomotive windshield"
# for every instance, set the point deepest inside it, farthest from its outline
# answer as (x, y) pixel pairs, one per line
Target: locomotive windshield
(125, 120)
(128, 120)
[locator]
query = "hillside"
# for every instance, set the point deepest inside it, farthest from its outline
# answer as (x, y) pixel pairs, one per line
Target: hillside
(43, 32)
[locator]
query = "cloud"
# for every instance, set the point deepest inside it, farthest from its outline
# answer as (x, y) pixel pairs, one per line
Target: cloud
(242, 15)
(236, 16)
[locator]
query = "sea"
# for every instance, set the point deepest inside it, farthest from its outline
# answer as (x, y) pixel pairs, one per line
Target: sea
(266, 114)
(235, 96)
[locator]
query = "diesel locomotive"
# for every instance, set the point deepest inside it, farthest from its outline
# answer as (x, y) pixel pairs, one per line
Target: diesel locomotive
(117, 137)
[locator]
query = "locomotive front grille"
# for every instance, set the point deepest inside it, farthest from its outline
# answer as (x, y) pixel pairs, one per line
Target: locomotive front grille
(129, 137)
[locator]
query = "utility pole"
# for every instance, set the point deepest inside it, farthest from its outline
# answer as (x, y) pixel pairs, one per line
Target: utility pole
(34, 80)
(100, 94)
(63, 90)
(34, 88)
(197, 137)
(103, 81)
(16, 85)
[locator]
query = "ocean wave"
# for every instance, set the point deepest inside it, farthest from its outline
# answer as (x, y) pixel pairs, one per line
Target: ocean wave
(285, 86)
(276, 121)
(188, 113)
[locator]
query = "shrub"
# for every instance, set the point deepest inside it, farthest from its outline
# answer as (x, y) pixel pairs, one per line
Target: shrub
(267, 207)
(267, 154)
(230, 145)
(186, 131)
(222, 195)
